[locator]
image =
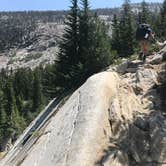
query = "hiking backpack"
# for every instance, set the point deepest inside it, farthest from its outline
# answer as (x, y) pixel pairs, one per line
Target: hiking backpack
(143, 32)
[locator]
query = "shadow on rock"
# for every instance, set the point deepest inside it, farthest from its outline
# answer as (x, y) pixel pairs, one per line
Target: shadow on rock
(141, 143)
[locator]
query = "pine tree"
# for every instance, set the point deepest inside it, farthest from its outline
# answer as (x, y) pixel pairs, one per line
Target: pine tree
(84, 49)
(126, 31)
(115, 33)
(84, 31)
(10, 98)
(15, 123)
(19, 103)
(68, 49)
(3, 120)
(37, 100)
(3, 76)
(145, 13)
(100, 54)
(163, 21)
(94, 44)
(22, 83)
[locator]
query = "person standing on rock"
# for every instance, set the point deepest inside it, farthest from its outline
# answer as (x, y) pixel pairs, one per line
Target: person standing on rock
(144, 34)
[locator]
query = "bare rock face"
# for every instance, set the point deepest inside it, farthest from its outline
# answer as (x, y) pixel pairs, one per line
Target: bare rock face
(114, 119)
(80, 130)
(139, 138)
(41, 51)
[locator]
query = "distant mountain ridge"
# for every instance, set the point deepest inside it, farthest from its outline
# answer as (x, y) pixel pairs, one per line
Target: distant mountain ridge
(135, 7)
(58, 16)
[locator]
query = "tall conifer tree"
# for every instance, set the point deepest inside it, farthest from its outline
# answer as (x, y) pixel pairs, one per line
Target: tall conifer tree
(84, 30)
(68, 48)
(115, 33)
(126, 31)
(101, 54)
(15, 122)
(163, 21)
(37, 100)
(145, 13)
(84, 49)
(3, 121)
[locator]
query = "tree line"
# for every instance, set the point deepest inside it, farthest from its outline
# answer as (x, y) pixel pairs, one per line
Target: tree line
(21, 99)
(39, 16)
(125, 24)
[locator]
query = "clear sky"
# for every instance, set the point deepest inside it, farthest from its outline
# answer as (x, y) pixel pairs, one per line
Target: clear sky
(17, 5)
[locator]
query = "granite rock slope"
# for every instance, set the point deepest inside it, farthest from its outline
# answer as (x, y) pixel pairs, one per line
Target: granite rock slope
(114, 119)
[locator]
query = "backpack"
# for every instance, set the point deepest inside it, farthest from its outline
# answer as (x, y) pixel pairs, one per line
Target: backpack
(143, 32)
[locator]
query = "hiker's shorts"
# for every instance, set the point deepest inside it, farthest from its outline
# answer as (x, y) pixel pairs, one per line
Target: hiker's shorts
(144, 44)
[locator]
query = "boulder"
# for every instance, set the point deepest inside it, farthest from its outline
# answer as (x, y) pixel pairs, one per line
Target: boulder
(146, 78)
(122, 67)
(157, 59)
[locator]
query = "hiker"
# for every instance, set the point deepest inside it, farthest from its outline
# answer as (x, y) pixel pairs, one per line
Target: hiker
(144, 35)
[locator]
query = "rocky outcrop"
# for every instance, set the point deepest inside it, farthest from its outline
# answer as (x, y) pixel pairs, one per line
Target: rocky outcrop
(117, 118)
(141, 139)
(41, 51)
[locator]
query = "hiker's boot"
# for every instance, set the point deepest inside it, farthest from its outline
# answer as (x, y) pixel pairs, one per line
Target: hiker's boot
(140, 56)
(144, 58)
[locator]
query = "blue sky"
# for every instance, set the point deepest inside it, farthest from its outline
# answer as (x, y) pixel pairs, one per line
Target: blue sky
(16, 5)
